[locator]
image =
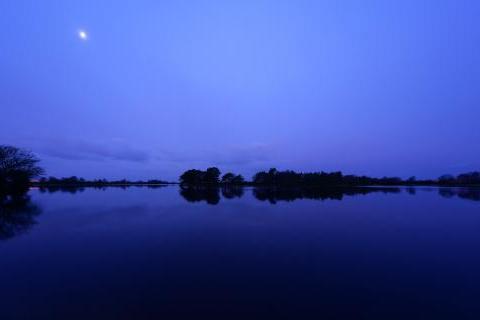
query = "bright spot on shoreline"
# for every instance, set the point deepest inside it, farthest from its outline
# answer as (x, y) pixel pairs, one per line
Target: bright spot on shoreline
(82, 34)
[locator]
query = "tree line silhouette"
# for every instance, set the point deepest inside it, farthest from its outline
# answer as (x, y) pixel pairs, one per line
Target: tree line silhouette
(19, 169)
(274, 177)
(470, 178)
(292, 178)
(81, 182)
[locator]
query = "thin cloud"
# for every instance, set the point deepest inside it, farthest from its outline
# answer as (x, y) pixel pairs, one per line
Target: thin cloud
(95, 151)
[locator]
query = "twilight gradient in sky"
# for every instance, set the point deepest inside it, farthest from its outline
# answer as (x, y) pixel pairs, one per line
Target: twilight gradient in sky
(367, 87)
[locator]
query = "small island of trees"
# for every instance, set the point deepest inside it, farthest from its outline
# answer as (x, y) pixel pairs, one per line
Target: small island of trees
(210, 177)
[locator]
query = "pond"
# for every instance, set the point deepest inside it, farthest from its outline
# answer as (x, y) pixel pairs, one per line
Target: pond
(241, 253)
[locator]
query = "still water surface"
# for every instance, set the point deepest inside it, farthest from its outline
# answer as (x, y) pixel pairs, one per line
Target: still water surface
(141, 253)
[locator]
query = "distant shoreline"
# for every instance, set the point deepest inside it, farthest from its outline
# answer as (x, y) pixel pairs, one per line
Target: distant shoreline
(220, 185)
(86, 185)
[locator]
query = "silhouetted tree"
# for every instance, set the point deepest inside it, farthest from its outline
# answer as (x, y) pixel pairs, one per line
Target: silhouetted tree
(17, 168)
(197, 177)
(469, 178)
(228, 177)
(212, 176)
(238, 179)
(260, 178)
(446, 179)
(192, 177)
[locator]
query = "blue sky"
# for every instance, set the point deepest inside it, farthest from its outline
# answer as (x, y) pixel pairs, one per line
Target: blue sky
(366, 87)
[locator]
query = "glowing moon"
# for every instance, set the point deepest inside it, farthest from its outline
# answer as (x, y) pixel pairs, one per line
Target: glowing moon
(82, 34)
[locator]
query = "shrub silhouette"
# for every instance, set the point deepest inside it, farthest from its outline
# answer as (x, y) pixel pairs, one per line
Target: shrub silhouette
(17, 168)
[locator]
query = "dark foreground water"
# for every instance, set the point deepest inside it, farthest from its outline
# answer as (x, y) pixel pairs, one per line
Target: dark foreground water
(142, 253)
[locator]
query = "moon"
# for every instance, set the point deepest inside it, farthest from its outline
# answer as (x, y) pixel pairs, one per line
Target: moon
(83, 35)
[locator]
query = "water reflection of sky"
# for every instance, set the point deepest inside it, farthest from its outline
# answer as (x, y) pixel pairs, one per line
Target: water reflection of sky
(147, 253)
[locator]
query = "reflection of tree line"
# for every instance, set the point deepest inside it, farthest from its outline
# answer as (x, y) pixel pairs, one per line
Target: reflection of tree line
(77, 189)
(462, 193)
(273, 195)
(213, 195)
(17, 215)
(210, 194)
(18, 212)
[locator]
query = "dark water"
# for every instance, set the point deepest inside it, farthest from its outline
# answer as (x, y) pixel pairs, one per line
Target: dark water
(142, 253)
